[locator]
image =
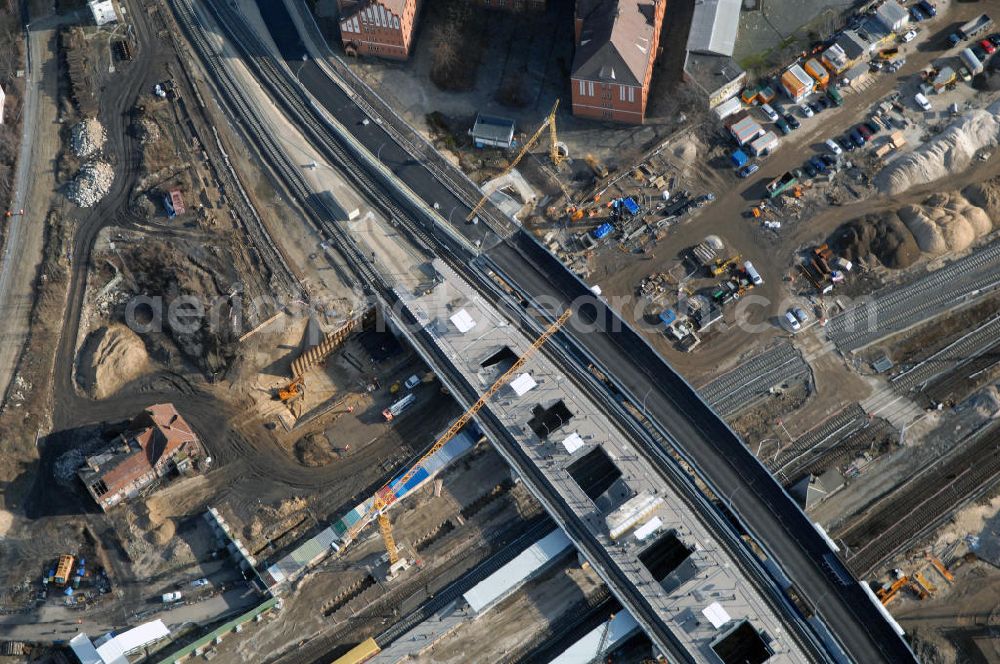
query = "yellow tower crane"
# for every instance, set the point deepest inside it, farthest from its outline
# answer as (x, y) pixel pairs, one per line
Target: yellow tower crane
(550, 122)
(386, 496)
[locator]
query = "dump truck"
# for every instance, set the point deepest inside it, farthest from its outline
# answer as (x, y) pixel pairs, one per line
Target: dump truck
(779, 184)
(973, 28)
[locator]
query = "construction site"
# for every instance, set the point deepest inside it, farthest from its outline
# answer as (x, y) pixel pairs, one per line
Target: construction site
(227, 443)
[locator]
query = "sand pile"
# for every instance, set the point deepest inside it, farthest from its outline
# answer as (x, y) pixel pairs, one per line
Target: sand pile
(945, 223)
(882, 236)
(111, 357)
(985, 195)
(949, 152)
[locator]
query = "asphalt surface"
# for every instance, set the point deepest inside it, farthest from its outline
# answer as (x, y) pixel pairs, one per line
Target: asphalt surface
(16, 279)
(688, 422)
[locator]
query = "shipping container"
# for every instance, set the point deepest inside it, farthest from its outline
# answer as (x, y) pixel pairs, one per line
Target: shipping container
(602, 231)
(728, 107)
(746, 130)
(764, 145)
(797, 83)
(817, 71)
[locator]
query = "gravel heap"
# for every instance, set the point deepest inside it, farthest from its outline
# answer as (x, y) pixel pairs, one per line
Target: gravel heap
(948, 153)
(91, 184)
(87, 137)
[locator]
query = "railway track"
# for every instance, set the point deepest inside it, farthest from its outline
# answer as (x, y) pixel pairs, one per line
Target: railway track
(845, 449)
(326, 138)
(953, 386)
(816, 443)
(533, 532)
(923, 503)
(950, 358)
(894, 308)
(754, 377)
(304, 113)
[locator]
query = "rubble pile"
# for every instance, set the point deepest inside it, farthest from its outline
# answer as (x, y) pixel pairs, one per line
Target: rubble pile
(149, 131)
(948, 153)
(87, 137)
(91, 184)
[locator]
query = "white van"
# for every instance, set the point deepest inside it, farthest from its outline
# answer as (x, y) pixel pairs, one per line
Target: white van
(922, 101)
(754, 275)
(834, 148)
(769, 112)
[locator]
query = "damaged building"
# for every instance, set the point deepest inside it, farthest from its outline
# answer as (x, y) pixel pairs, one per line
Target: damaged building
(157, 442)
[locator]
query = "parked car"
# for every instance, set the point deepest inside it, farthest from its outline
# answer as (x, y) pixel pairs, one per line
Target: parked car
(816, 108)
(873, 126)
(995, 38)
(864, 131)
(824, 102)
(810, 169)
(926, 7)
(829, 160)
(818, 164)
(748, 170)
(793, 322)
(792, 121)
(923, 102)
(846, 143)
(916, 14)
(964, 74)
(833, 147)
(769, 112)
(800, 314)
(908, 37)
(857, 138)
(783, 126)
(979, 52)
(988, 46)
(806, 111)
(170, 598)
(198, 583)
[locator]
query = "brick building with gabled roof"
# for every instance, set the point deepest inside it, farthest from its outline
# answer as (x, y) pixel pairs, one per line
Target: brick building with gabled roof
(157, 442)
(617, 42)
(383, 28)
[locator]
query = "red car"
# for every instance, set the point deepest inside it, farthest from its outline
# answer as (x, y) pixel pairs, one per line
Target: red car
(988, 46)
(865, 131)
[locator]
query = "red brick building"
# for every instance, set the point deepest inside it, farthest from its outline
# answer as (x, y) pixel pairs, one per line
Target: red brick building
(383, 28)
(157, 442)
(617, 42)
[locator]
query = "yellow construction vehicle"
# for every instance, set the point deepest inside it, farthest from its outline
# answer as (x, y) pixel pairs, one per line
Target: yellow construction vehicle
(550, 123)
(291, 391)
(888, 593)
(720, 266)
(939, 566)
(922, 586)
(385, 496)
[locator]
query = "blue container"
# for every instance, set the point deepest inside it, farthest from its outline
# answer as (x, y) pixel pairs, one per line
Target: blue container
(603, 231)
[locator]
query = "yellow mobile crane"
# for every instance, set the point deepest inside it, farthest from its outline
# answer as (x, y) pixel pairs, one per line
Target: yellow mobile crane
(385, 496)
(550, 122)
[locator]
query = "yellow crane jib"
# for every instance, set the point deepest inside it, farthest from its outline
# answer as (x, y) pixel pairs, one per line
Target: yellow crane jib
(550, 123)
(386, 495)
